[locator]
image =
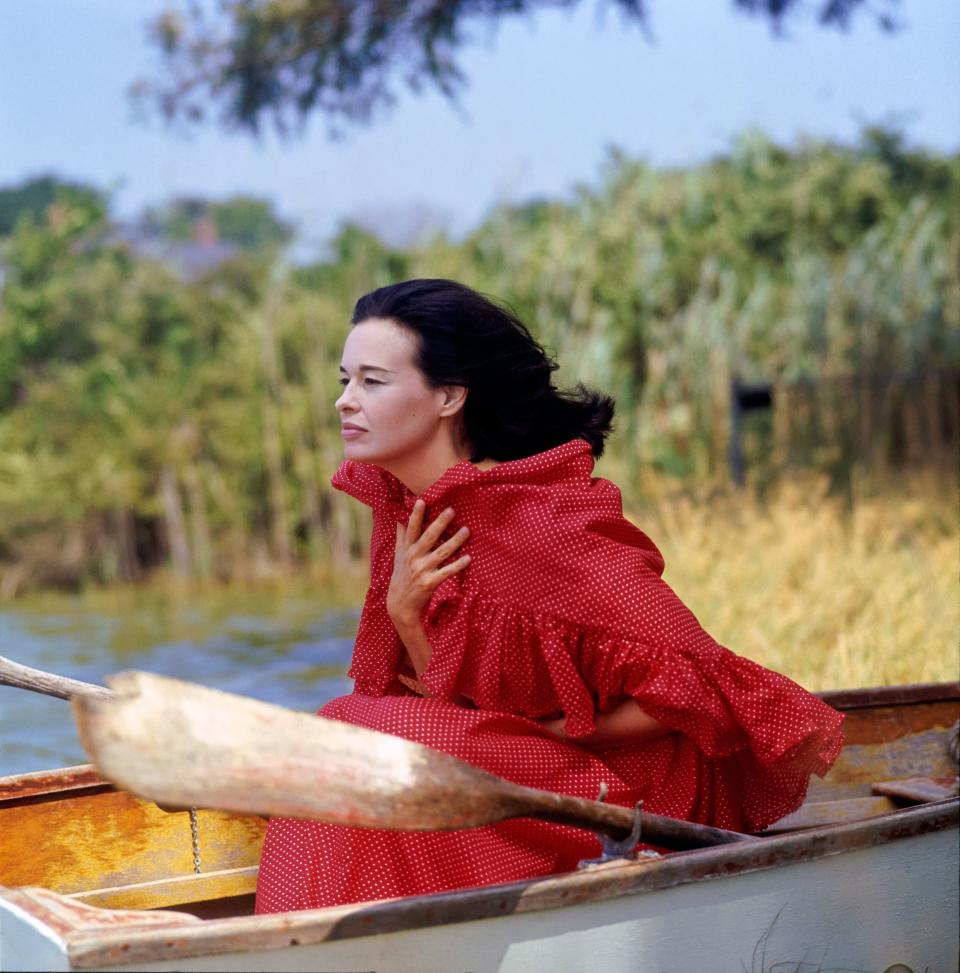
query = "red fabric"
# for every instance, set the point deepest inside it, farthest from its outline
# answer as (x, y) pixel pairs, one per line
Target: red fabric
(561, 610)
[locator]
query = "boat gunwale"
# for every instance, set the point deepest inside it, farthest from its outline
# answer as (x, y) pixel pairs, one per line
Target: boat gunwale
(44, 785)
(902, 695)
(93, 945)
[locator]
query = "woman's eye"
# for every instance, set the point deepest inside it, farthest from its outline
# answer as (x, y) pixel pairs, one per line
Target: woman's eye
(367, 381)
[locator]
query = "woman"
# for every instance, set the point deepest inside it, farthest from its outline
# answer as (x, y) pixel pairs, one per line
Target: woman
(516, 620)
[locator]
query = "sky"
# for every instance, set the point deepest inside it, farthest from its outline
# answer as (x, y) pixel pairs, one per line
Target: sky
(547, 96)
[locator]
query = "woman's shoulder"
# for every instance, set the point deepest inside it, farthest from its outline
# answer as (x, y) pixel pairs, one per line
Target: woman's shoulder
(568, 465)
(555, 484)
(572, 460)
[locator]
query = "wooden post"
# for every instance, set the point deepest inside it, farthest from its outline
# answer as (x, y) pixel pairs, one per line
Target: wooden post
(737, 471)
(744, 398)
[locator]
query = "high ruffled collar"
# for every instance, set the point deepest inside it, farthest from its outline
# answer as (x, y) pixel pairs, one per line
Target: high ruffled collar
(381, 490)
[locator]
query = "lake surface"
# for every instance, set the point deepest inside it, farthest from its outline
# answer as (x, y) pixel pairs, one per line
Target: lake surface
(283, 648)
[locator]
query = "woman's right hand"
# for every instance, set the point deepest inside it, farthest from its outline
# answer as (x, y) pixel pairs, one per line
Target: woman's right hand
(418, 564)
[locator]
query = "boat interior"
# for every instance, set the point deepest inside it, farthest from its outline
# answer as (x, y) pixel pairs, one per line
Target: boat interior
(71, 832)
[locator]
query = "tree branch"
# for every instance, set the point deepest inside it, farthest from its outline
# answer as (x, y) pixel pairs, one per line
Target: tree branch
(280, 61)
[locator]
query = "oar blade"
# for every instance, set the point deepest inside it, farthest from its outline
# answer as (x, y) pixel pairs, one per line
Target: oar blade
(180, 744)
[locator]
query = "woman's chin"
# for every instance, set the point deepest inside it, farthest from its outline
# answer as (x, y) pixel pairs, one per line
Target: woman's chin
(359, 451)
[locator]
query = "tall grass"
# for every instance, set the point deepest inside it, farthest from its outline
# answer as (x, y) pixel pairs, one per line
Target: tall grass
(834, 592)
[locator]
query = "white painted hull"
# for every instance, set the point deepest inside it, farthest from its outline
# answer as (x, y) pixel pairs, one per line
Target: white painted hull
(861, 909)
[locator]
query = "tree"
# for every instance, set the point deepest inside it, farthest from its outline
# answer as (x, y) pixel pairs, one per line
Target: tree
(41, 319)
(249, 222)
(34, 196)
(282, 60)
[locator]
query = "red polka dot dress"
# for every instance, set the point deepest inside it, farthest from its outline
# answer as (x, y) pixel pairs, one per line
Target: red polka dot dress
(561, 610)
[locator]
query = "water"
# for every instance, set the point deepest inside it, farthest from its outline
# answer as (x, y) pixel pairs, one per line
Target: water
(282, 648)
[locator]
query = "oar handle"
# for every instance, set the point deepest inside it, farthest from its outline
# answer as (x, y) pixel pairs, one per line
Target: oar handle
(617, 821)
(37, 681)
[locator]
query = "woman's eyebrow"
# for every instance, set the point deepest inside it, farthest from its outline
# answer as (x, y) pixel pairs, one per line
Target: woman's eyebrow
(370, 368)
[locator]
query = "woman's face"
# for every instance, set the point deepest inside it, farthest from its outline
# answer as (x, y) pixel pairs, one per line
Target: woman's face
(388, 412)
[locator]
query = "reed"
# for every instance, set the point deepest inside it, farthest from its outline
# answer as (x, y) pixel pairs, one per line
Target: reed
(832, 591)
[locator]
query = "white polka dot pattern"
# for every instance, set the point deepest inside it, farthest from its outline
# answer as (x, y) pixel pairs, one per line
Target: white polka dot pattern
(561, 610)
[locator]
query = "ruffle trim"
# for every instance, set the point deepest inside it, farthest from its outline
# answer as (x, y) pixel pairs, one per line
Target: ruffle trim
(380, 490)
(765, 728)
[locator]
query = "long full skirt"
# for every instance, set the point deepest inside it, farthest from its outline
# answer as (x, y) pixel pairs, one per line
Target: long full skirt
(308, 865)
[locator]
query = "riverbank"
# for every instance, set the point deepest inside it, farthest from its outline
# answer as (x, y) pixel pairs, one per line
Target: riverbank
(835, 591)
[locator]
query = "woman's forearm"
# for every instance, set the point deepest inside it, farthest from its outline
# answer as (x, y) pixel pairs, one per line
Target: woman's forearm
(625, 723)
(415, 641)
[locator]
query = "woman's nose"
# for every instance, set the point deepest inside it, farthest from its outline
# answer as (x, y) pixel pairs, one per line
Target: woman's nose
(345, 401)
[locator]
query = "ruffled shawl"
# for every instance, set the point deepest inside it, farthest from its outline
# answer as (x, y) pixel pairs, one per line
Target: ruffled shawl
(563, 610)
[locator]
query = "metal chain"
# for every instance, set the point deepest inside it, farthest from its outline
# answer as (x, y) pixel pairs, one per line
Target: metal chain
(195, 838)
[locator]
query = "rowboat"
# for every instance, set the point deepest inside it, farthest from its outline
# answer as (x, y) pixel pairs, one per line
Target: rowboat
(863, 877)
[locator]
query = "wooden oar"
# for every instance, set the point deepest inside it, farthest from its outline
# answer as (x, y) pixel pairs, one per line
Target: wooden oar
(49, 684)
(37, 681)
(180, 744)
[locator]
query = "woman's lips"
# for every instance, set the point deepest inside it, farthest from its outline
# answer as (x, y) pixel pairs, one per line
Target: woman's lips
(351, 432)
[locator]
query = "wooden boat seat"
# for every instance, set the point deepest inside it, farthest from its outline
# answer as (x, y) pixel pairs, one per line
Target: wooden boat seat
(887, 796)
(918, 790)
(209, 895)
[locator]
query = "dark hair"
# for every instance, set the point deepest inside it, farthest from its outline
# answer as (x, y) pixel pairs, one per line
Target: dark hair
(512, 409)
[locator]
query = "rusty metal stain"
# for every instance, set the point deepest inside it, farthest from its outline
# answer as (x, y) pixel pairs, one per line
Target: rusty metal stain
(51, 783)
(113, 838)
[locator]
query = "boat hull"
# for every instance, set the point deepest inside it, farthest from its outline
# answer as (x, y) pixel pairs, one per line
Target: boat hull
(851, 898)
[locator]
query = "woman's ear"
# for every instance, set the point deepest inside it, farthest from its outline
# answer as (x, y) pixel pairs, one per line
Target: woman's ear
(454, 399)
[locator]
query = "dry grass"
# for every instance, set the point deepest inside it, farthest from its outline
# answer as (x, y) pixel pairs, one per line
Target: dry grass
(834, 593)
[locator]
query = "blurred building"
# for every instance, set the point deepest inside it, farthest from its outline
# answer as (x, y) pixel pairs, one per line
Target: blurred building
(189, 259)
